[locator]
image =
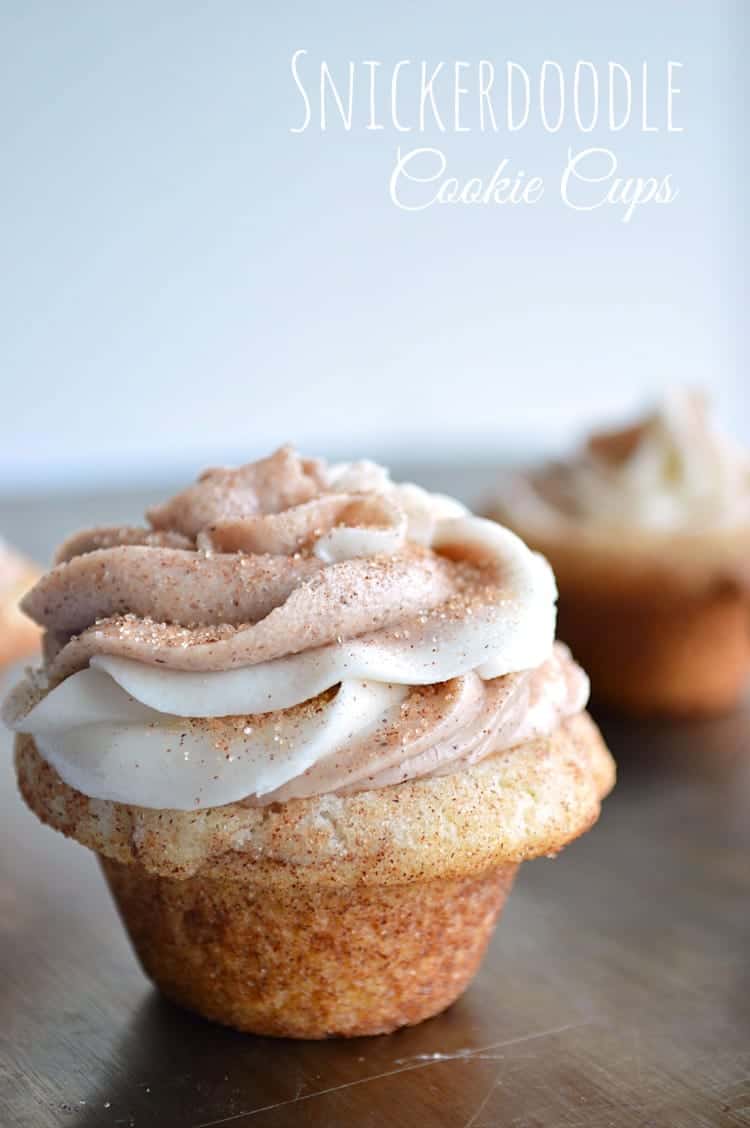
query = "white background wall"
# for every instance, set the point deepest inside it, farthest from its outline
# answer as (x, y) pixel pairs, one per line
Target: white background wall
(185, 280)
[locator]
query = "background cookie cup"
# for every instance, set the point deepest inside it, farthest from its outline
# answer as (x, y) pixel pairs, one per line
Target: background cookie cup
(648, 531)
(661, 623)
(332, 915)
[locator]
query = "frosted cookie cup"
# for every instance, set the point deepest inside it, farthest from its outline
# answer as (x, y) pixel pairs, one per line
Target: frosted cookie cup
(648, 531)
(311, 721)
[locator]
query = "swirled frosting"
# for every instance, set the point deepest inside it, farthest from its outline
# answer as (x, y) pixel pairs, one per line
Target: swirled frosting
(288, 628)
(671, 471)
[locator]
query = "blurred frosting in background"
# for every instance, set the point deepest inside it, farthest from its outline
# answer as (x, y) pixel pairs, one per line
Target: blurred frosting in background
(673, 469)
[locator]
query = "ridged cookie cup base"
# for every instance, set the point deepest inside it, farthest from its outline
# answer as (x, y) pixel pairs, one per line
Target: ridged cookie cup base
(306, 961)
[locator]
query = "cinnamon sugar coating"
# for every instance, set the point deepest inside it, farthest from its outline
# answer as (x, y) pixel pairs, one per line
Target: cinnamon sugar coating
(305, 961)
(281, 481)
(298, 605)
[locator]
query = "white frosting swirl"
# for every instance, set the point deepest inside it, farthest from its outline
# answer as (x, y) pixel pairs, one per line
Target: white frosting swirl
(105, 742)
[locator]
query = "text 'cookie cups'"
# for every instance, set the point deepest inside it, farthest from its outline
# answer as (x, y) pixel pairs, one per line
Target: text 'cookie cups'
(648, 531)
(311, 722)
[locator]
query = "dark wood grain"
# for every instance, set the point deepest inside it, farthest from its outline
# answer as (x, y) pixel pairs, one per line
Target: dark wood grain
(615, 993)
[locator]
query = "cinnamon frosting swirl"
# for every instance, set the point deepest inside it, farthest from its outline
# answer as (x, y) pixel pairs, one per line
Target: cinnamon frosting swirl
(286, 629)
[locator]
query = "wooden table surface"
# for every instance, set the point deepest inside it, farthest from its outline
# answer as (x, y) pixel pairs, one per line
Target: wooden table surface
(615, 991)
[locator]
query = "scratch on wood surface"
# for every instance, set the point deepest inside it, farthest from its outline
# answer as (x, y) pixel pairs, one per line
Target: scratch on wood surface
(483, 1053)
(407, 1065)
(484, 1102)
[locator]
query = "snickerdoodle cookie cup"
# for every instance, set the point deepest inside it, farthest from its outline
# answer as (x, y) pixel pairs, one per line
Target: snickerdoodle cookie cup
(311, 722)
(336, 914)
(648, 531)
